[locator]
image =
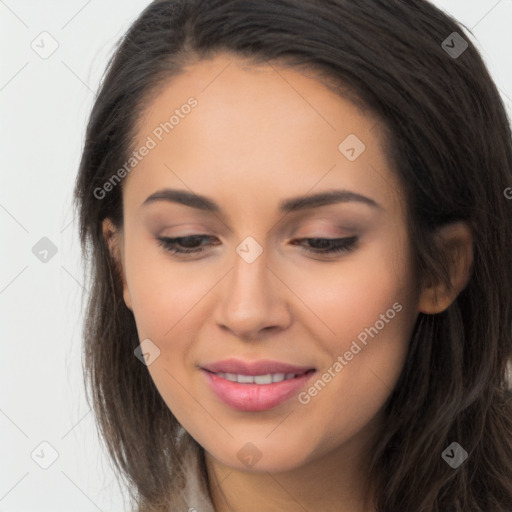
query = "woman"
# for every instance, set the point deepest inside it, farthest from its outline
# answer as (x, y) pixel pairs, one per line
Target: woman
(300, 241)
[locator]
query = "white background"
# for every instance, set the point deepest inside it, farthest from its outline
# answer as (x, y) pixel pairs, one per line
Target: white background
(44, 107)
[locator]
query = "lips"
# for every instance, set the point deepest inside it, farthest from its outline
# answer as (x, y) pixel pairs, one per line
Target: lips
(255, 386)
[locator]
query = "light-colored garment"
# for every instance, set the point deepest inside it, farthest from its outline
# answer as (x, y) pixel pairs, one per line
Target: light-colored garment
(194, 497)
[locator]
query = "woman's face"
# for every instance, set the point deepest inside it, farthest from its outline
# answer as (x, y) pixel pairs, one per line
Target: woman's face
(256, 298)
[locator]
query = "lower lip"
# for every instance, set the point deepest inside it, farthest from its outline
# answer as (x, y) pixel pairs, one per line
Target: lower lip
(255, 397)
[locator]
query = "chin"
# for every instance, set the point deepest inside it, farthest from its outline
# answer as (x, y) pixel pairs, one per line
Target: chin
(260, 457)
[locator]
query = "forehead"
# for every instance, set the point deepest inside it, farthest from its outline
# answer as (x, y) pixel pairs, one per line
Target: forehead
(230, 129)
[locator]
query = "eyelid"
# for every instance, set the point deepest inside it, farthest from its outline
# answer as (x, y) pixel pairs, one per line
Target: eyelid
(334, 226)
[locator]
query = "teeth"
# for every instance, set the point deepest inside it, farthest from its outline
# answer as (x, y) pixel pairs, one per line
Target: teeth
(269, 378)
(263, 379)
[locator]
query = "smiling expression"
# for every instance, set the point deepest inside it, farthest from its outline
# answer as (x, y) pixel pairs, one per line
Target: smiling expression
(259, 144)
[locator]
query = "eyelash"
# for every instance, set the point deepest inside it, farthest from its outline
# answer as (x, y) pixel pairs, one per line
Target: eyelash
(341, 245)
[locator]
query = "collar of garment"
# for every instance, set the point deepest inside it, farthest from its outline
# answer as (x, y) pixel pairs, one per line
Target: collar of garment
(194, 497)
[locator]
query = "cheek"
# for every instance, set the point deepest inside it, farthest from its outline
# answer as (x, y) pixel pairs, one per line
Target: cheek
(365, 317)
(371, 313)
(355, 385)
(163, 292)
(166, 299)
(351, 295)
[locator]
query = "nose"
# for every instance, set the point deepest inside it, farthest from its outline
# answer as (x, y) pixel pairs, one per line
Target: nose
(254, 301)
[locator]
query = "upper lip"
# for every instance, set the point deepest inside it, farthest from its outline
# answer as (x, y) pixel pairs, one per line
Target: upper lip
(260, 367)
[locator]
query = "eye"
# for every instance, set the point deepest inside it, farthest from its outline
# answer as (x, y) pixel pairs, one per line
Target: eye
(329, 245)
(185, 245)
(188, 242)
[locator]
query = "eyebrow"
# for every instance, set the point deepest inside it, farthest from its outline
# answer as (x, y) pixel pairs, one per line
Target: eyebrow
(290, 205)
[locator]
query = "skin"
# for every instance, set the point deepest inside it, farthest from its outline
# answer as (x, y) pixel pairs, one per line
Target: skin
(259, 135)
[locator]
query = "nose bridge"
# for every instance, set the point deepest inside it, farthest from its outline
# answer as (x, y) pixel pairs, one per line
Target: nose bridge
(249, 279)
(251, 300)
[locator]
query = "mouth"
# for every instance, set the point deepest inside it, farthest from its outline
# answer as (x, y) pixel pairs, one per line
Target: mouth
(255, 386)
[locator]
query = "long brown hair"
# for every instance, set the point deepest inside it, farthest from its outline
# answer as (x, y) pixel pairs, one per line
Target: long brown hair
(449, 139)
